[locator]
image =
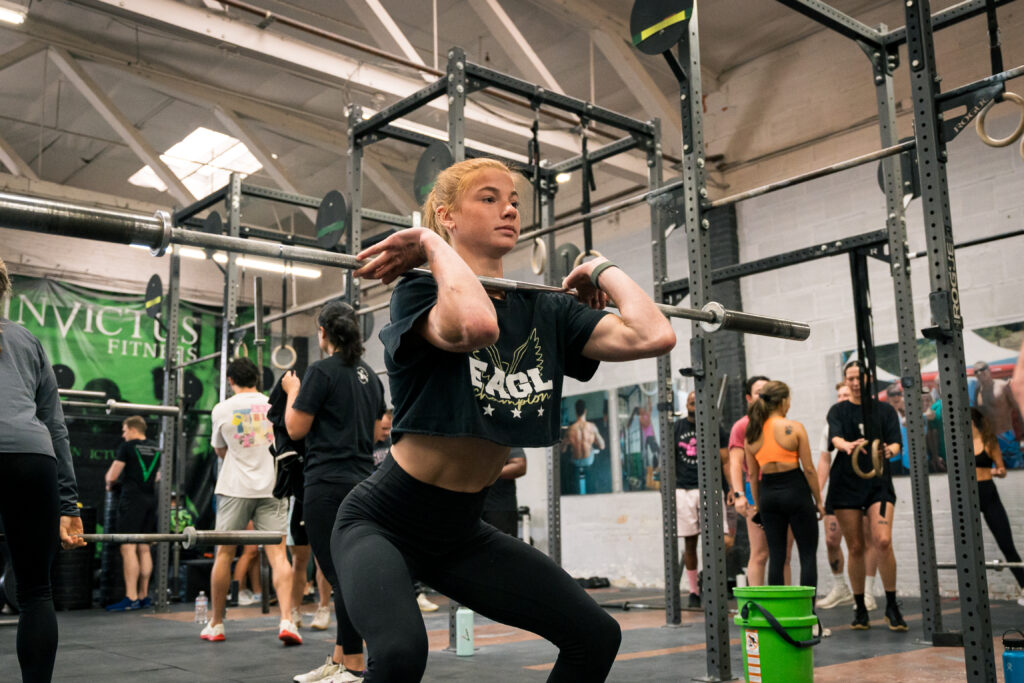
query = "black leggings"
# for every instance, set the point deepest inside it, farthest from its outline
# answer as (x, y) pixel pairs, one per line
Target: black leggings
(393, 528)
(787, 502)
(30, 509)
(319, 509)
(999, 525)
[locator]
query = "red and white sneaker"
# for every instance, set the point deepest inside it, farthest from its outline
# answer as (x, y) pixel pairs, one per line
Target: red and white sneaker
(214, 634)
(288, 633)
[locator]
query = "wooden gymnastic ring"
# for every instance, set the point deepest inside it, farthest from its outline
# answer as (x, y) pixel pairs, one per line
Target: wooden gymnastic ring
(583, 255)
(539, 256)
(291, 361)
(993, 142)
(877, 466)
(241, 351)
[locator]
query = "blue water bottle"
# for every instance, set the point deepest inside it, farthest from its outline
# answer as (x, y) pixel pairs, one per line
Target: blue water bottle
(1013, 657)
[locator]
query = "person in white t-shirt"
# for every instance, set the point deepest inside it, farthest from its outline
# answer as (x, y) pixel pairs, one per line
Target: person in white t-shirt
(242, 436)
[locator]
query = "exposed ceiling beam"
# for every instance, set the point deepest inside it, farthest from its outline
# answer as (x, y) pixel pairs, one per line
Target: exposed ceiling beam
(394, 191)
(383, 28)
(23, 51)
(243, 132)
(638, 80)
(515, 45)
(275, 47)
(14, 162)
(121, 125)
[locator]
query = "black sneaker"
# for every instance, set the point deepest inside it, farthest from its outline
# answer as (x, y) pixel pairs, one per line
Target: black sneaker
(861, 620)
(694, 601)
(894, 619)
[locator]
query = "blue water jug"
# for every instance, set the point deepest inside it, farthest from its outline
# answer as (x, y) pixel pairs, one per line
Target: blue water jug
(1013, 657)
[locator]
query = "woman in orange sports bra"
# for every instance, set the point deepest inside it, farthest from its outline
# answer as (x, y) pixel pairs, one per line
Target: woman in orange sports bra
(784, 496)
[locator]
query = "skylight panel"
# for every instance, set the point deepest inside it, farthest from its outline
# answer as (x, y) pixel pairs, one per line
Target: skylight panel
(203, 161)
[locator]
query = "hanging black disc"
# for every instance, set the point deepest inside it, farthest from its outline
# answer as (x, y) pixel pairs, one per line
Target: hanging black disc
(657, 25)
(192, 388)
(154, 296)
(331, 220)
(213, 224)
(65, 376)
(435, 159)
(908, 170)
(565, 258)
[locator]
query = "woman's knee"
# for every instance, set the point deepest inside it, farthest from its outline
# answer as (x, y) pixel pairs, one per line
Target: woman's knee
(398, 659)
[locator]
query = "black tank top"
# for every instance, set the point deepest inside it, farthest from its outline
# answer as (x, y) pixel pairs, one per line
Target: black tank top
(983, 460)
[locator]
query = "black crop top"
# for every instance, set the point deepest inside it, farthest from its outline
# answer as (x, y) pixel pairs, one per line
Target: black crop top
(508, 393)
(983, 460)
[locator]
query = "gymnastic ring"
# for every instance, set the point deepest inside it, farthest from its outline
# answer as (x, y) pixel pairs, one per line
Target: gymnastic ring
(993, 142)
(291, 360)
(877, 466)
(539, 256)
(592, 252)
(241, 351)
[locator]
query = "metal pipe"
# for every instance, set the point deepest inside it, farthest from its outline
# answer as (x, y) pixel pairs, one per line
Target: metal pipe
(13, 210)
(112, 407)
(1001, 77)
(995, 565)
(195, 361)
(76, 393)
(191, 537)
(974, 242)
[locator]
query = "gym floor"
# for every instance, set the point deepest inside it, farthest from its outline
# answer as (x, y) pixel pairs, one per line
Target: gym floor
(133, 646)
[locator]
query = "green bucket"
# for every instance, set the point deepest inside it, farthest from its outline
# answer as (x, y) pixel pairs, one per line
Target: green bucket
(777, 623)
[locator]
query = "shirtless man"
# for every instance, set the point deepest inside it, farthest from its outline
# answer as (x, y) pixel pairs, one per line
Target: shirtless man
(996, 402)
(583, 438)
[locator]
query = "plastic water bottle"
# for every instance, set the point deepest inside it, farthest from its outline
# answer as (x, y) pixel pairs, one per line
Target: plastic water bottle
(202, 603)
(464, 632)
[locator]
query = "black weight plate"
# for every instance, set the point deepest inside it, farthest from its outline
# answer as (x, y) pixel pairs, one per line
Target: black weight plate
(436, 157)
(107, 386)
(908, 170)
(65, 376)
(154, 296)
(657, 25)
(331, 220)
(268, 382)
(213, 224)
(565, 257)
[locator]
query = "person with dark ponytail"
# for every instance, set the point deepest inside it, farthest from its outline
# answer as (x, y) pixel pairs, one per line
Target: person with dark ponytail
(785, 497)
(335, 408)
(38, 490)
(988, 459)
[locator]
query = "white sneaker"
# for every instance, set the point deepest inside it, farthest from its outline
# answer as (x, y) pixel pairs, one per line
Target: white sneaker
(425, 604)
(288, 634)
(869, 602)
(344, 677)
(821, 632)
(322, 618)
(247, 597)
(1020, 600)
(214, 634)
(321, 673)
(296, 617)
(839, 595)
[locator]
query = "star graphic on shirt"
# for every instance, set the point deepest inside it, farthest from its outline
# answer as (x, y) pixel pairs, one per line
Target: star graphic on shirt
(540, 412)
(488, 410)
(516, 412)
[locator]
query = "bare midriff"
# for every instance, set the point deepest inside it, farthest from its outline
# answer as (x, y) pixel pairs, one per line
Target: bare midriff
(462, 463)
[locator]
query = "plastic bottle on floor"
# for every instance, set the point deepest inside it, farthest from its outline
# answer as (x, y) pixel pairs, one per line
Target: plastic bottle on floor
(202, 605)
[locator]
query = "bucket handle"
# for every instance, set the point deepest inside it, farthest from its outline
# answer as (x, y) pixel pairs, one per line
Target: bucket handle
(1012, 630)
(777, 627)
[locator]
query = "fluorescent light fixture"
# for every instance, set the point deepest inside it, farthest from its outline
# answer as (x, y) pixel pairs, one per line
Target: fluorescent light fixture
(562, 178)
(12, 12)
(191, 252)
(220, 257)
(203, 161)
(277, 267)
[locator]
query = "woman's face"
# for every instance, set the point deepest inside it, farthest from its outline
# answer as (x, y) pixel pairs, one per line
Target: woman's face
(486, 218)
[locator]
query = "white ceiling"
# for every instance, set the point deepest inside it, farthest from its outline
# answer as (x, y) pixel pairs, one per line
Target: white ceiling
(166, 81)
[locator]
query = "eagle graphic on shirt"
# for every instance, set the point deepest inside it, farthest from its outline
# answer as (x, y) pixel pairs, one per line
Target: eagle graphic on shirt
(517, 382)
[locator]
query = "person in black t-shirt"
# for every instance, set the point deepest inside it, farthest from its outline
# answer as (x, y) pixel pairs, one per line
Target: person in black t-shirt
(852, 497)
(137, 465)
(688, 496)
(474, 373)
(336, 408)
(501, 509)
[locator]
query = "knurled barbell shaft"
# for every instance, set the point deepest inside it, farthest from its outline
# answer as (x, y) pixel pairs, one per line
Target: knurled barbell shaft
(22, 212)
(195, 536)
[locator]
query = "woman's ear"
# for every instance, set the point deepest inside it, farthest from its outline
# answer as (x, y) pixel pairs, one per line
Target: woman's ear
(444, 218)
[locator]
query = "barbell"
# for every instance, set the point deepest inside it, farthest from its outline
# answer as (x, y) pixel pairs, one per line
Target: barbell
(191, 537)
(120, 408)
(22, 212)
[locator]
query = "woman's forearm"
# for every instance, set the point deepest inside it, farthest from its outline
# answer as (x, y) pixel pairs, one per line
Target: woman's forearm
(464, 314)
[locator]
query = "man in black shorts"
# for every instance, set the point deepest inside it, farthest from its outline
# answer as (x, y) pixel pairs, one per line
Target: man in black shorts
(852, 497)
(137, 465)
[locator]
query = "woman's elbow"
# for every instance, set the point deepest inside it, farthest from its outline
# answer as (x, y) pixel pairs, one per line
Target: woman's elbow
(473, 334)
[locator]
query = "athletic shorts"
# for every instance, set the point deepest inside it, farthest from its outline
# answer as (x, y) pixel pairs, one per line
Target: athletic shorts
(266, 514)
(296, 526)
(136, 513)
(688, 513)
(859, 495)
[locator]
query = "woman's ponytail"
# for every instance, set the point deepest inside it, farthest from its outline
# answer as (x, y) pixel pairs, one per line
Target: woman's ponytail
(342, 329)
(769, 399)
